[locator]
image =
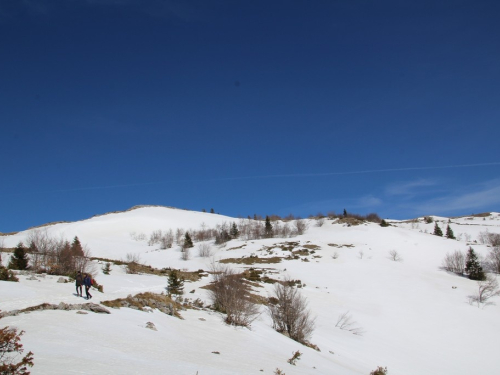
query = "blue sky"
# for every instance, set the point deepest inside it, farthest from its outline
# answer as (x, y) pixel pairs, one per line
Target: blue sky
(267, 107)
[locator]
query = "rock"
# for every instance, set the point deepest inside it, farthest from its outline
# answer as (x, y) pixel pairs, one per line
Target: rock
(202, 319)
(62, 306)
(32, 278)
(98, 308)
(151, 326)
(82, 312)
(61, 280)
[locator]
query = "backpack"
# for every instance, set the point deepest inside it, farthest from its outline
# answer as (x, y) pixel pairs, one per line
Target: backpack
(92, 282)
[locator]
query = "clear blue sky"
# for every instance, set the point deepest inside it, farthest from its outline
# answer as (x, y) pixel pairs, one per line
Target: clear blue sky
(267, 107)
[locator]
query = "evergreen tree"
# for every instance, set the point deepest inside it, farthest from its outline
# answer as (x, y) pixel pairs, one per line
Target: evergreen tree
(19, 260)
(234, 232)
(76, 248)
(437, 230)
(212, 211)
(187, 241)
(175, 283)
(268, 229)
(203, 210)
(449, 233)
(106, 269)
(472, 266)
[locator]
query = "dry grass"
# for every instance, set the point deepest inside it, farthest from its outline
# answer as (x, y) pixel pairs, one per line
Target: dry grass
(312, 247)
(141, 268)
(142, 300)
(252, 260)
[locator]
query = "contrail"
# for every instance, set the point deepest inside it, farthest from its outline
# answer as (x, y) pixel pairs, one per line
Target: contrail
(255, 177)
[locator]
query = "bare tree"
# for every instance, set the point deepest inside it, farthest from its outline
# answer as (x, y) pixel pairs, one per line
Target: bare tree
(167, 240)
(487, 289)
(186, 253)
(320, 221)
(289, 312)
(301, 226)
(229, 294)
(155, 237)
(394, 255)
(492, 239)
(204, 250)
(454, 262)
(494, 260)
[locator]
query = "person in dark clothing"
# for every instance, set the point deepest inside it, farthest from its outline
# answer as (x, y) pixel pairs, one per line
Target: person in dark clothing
(79, 283)
(87, 281)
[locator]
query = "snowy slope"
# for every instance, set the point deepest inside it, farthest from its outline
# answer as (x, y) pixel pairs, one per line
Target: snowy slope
(416, 317)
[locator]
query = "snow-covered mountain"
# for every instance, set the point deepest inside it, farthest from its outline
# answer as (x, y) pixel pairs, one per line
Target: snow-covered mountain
(413, 316)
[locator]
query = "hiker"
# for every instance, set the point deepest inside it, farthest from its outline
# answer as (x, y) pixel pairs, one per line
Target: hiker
(87, 281)
(79, 283)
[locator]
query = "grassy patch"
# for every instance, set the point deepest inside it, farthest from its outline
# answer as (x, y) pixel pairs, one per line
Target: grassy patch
(151, 300)
(237, 247)
(252, 260)
(141, 268)
(312, 247)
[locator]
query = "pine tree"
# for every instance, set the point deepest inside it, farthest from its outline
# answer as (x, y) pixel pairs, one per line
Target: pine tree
(234, 232)
(268, 230)
(175, 283)
(472, 266)
(437, 230)
(76, 248)
(187, 241)
(106, 269)
(19, 260)
(212, 211)
(449, 233)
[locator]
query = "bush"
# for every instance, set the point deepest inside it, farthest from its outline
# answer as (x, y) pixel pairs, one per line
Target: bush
(10, 350)
(289, 312)
(455, 262)
(494, 260)
(7, 275)
(133, 263)
(379, 371)
(229, 295)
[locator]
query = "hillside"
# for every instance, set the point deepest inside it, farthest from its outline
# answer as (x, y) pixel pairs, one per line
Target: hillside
(411, 315)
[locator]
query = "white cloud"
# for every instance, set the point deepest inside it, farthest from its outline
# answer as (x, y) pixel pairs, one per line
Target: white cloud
(409, 188)
(482, 197)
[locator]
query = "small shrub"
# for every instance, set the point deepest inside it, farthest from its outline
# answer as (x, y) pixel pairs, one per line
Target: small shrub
(379, 371)
(7, 275)
(133, 263)
(394, 255)
(384, 223)
(295, 358)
